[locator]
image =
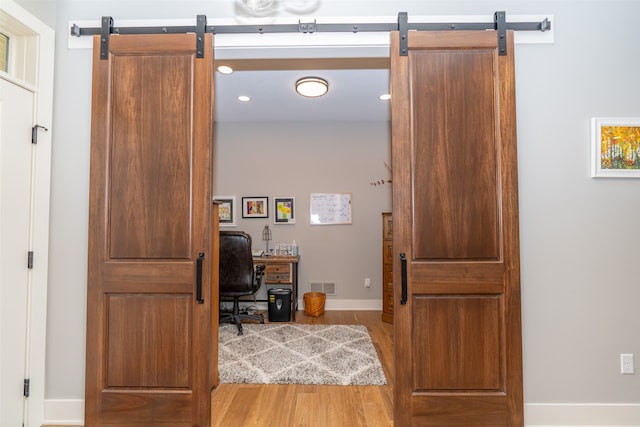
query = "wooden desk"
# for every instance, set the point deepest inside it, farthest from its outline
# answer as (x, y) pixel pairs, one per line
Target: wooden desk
(282, 270)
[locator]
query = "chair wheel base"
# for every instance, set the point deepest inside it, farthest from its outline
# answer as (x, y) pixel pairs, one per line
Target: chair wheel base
(238, 318)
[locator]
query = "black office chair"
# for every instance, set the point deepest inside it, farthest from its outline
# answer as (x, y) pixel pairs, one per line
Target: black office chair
(238, 277)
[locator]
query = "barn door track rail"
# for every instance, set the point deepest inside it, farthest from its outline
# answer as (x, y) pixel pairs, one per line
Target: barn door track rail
(499, 24)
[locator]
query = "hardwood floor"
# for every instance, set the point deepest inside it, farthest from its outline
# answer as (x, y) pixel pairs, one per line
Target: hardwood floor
(234, 405)
(241, 405)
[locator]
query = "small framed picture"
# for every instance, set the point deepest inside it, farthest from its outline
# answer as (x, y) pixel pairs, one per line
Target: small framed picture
(615, 147)
(226, 210)
(255, 207)
(284, 210)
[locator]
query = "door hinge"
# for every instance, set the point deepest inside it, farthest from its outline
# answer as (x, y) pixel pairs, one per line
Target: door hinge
(30, 259)
(34, 133)
(27, 384)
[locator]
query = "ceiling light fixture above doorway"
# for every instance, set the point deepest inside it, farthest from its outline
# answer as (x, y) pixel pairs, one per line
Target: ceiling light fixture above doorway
(312, 87)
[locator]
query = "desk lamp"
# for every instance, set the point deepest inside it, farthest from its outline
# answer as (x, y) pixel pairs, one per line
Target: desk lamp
(266, 236)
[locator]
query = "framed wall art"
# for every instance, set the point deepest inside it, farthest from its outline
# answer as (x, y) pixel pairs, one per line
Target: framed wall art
(284, 210)
(615, 147)
(226, 210)
(255, 207)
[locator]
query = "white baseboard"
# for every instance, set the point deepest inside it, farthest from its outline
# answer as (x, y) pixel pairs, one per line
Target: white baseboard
(349, 304)
(71, 412)
(68, 412)
(582, 415)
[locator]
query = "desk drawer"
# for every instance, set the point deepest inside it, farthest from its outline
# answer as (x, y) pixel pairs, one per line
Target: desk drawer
(278, 273)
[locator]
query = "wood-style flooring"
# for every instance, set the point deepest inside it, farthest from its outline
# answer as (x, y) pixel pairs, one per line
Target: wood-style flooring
(234, 405)
(241, 405)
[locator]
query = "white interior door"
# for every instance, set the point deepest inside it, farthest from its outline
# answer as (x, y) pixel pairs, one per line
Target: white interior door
(26, 99)
(16, 179)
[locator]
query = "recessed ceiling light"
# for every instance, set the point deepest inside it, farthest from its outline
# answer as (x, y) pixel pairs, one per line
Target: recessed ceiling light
(244, 98)
(312, 87)
(225, 69)
(385, 96)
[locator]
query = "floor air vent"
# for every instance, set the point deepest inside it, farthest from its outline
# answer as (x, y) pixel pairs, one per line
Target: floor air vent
(328, 288)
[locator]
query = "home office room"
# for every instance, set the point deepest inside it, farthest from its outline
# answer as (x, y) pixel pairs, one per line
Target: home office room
(332, 147)
(565, 345)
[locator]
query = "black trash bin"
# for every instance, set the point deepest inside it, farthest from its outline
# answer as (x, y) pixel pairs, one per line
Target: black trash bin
(279, 304)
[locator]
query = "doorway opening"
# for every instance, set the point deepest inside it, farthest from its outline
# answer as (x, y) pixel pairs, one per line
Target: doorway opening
(286, 145)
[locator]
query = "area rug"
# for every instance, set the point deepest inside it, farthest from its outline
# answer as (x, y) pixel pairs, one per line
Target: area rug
(290, 353)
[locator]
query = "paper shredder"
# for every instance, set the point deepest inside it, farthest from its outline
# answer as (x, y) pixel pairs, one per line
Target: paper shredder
(279, 304)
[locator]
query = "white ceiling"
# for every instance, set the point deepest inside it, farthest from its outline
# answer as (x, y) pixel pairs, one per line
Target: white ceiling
(357, 69)
(353, 96)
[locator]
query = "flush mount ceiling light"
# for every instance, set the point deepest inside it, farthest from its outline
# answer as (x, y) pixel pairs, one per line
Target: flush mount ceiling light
(312, 87)
(225, 69)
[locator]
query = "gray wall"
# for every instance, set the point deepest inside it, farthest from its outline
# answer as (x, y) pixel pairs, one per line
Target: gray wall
(579, 236)
(272, 159)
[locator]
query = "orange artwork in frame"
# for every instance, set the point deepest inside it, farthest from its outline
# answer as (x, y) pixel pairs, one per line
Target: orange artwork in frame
(615, 147)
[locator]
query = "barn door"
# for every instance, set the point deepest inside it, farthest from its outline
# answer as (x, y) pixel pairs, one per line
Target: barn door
(149, 308)
(456, 246)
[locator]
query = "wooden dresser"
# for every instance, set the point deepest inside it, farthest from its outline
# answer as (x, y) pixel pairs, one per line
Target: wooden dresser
(387, 268)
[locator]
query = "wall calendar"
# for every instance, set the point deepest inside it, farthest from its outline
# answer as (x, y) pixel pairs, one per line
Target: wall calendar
(330, 208)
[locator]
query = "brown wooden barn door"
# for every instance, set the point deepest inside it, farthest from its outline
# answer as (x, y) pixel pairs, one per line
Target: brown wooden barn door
(458, 336)
(149, 324)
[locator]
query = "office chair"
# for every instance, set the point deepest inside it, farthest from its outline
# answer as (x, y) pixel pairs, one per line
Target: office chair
(238, 277)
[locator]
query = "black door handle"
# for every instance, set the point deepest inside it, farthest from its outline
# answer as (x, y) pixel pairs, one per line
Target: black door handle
(199, 278)
(403, 268)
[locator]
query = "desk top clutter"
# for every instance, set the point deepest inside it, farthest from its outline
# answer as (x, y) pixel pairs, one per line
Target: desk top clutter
(287, 249)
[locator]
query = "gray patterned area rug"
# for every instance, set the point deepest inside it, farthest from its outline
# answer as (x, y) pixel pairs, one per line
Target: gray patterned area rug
(290, 353)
